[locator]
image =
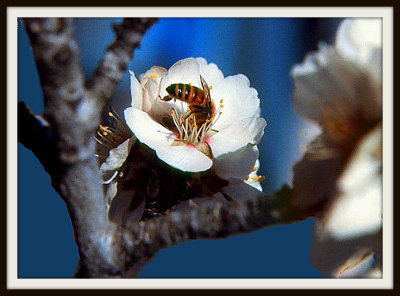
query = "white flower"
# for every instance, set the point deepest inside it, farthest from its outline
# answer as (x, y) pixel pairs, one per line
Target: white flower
(254, 179)
(339, 178)
(226, 141)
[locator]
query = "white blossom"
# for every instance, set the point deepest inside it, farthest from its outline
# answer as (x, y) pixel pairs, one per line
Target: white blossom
(340, 177)
(226, 143)
(254, 179)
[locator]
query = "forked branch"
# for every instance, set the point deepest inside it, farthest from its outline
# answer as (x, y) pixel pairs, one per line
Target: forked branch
(63, 141)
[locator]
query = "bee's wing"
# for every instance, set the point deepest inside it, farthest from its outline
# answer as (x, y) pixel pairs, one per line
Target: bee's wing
(206, 89)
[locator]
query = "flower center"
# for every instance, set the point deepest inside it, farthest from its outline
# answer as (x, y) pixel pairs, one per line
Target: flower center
(189, 131)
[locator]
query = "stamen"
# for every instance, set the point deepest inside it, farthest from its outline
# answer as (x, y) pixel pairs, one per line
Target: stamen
(154, 76)
(191, 132)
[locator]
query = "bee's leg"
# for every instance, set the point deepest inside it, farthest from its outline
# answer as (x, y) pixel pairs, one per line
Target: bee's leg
(190, 112)
(166, 98)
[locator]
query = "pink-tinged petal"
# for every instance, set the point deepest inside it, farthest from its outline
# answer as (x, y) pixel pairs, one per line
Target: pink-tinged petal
(240, 101)
(238, 135)
(185, 158)
(147, 130)
(238, 164)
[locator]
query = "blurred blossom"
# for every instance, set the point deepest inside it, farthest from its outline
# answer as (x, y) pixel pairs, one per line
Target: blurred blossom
(340, 176)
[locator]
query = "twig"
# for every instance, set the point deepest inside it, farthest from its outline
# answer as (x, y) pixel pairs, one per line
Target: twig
(73, 114)
(112, 67)
(36, 135)
(214, 220)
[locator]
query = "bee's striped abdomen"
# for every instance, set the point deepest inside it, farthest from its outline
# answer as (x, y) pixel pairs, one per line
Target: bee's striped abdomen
(186, 93)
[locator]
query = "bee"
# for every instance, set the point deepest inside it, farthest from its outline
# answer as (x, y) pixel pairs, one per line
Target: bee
(199, 100)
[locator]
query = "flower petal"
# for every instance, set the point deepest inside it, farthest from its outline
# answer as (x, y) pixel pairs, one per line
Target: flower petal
(360, 41)
(358, 208)
(333, 257)
(185, 158)
(253, 178)
(126, 207)
(329, 89)
(238, 135)
(238, 164)
(117, 156)
(357, 39)
(210, 72)
(183, 71)
(239, 100)
(136, 92)
(147, 130)
(151, 85)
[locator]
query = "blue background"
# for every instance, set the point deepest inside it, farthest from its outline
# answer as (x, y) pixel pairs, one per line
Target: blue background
(262, 49)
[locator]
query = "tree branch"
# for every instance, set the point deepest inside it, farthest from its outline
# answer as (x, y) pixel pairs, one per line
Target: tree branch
(213, 220)
(73, 114)
(36, 135)
(112, 67)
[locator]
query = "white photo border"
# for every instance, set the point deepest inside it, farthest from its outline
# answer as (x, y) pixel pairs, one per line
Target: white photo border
(13, 13)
